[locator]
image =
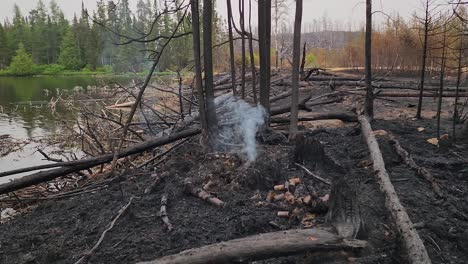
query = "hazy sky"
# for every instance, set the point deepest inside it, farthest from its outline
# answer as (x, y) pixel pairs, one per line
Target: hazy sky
(345, 11)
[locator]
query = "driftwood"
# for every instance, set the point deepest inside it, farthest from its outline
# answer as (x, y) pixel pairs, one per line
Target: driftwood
(163, 213)
(85, 258)
(200, 193)
(409, 161)
(345, 117)
(75, 166)
(263, 246)
(417, 253)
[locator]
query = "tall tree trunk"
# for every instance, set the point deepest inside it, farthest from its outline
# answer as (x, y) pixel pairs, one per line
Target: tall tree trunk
(442, 75)
(231, 48)
(242, 29)
(369, 103)
(264, 29)
(457, 89)
(252, 57)
(208, 63)
(198, 68)
(295, 70)
(424, 58)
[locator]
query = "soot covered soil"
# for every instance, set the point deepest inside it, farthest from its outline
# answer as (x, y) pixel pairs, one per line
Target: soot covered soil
(61, 231)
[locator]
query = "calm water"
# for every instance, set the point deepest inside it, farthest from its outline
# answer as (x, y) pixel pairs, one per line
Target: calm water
(24, 113)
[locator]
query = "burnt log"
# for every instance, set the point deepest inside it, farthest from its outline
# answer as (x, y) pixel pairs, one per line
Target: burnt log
(417, 253)
(263, 246)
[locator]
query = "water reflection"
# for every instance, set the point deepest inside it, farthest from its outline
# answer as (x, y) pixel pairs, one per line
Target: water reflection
(25, 113)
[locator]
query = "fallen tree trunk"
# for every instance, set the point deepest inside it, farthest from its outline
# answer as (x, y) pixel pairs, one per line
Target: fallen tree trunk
(413, 244)
(409, 161)
(79, 165)
(263, 246)
(412, 94)
(345, 117)
(287, 107)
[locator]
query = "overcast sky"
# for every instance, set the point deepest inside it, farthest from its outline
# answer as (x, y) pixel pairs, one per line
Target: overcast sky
(345, 11)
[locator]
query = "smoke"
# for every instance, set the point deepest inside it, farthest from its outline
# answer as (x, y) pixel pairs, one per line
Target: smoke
(239, 124)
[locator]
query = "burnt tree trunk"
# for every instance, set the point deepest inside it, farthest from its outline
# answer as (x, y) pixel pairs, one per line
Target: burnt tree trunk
(369, 103)
(295, 70)
(231, 48)
(242, 30)
(424, 58)
(208, 63)
(252, 57)
(264, 29)
(198, 67)
(442, 75)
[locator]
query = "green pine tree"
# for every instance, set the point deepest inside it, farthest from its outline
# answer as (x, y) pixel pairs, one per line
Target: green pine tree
(70, 53)
(21, 63)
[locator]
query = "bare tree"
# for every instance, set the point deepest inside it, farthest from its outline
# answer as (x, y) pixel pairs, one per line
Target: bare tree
(252, 57)
(208, 65)
(198, 67)
(295, 70)
(280, 7)
(369, 103)
(441, 77)
(426, 22)
(264, 28)
(231, 48)
(242, 35)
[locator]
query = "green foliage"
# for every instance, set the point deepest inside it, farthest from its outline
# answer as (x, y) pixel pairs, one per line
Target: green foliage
(70, 54)
(310, 60)
(53, 69)
(22, 64)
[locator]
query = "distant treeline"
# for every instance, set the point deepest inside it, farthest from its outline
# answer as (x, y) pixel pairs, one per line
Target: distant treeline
(46, 42)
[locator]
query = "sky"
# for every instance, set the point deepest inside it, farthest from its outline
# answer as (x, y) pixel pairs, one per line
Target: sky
(346, 11)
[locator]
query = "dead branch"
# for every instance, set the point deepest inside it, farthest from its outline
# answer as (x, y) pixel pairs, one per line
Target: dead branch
(85, 258)
(313, 174)
(198, 192)
(263, 246)
(409, 161)
(163, 213)
(413, 244)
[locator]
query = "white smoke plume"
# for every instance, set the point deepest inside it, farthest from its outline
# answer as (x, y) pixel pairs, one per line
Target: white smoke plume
(239, 124)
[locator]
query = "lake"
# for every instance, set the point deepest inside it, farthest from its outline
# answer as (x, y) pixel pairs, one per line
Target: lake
(25, 114)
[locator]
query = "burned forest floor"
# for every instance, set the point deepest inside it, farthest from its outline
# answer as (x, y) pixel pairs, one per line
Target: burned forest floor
(63, 229)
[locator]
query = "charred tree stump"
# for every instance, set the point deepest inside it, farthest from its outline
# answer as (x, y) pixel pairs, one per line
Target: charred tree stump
(417, 253)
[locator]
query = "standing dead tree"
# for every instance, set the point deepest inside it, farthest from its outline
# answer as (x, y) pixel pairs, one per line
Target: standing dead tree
(231, 47)
(208, 66)
(295, 70)
(264, 29)
(369, 103)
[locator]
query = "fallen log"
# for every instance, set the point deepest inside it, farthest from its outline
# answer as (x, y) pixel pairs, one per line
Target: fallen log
(345, 117)
(409, 161)
(417, 253)
(287, 107)
(75, 166)
(263, 246)
(412, 94)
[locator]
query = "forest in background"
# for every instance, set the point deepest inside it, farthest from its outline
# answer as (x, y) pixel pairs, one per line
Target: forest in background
(45, 42)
